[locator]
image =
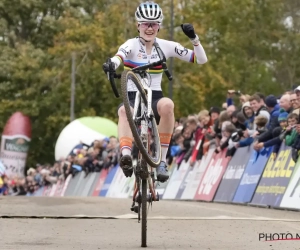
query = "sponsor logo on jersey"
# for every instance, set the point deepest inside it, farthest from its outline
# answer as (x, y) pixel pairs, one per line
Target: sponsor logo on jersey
(180, 50)
(142, 49)
(125, 50)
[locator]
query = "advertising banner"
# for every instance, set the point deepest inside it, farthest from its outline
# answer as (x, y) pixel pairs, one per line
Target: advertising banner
(176, 180)
(187, 178)
(53, 188)
(291, 198)
(212, 177)
(233, 175)
(95, 182)
(15, 142)
(252, 174)
(116, 184)
(47, 190)
(39, 192)
(109, 178)
(125, 187)
(198, 172)
(59, 188)
(87, 184)
(76, 189)
(100, 182)
(275, 179)
(66, 184)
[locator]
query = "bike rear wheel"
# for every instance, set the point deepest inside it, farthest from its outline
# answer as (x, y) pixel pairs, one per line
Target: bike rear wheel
(152, 160)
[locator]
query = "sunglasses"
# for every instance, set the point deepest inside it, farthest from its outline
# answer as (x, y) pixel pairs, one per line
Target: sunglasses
(154, 26)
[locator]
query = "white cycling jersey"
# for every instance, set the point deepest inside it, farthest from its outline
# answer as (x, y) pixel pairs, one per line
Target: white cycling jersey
(133, 53)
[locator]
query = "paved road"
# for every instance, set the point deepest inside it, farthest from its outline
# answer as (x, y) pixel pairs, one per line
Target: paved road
(102, 223)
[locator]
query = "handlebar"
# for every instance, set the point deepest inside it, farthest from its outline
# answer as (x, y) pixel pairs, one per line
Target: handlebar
(112, 74)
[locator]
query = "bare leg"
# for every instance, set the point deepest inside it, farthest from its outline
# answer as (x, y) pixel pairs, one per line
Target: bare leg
(125, 138)
(124, 132)
(165, 108)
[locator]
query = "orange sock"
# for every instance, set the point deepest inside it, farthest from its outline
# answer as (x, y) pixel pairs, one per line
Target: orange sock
(126, 145)
(164, 142)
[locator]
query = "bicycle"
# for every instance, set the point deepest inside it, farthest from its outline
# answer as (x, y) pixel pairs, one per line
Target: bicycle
(141, 120)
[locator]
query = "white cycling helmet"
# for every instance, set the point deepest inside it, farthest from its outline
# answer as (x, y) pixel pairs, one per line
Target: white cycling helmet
(149, 12)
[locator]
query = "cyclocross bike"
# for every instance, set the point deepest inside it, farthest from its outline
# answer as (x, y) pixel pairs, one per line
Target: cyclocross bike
(145, 133)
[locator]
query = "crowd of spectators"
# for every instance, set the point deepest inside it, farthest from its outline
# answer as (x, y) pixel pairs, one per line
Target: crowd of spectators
(256, 120)
(87, 158)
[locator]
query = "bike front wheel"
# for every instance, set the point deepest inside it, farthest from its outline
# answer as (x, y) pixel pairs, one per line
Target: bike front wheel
(152, 158)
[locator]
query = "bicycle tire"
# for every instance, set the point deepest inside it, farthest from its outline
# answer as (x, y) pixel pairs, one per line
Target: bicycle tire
(152, 161)
(113, 85)
(144, 213)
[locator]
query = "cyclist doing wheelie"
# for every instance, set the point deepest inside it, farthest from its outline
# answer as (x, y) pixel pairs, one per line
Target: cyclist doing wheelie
(140, 51)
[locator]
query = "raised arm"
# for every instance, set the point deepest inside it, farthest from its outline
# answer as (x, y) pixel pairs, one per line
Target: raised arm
(197, 55)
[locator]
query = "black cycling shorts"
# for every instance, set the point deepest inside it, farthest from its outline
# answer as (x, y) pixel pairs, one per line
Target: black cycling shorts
(156, 96)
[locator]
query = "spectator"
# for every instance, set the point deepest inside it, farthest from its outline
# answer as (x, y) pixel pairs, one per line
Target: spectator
(277, 139)
(297, 92)
(241, 123)
(262, 98)
(261, 124)
(295, 102)
(273, 108)
(257, 105)
(208, 130)
(229, 129)
(285, 103)
(192, 126)
(214, 113)
(238, 120)
(249, 115)
(231, 109)
(290, 138)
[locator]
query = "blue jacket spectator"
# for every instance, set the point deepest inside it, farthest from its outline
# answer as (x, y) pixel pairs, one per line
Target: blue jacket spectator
(273, 108)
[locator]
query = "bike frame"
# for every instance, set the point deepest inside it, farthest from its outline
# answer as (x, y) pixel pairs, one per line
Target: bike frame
(145, 138)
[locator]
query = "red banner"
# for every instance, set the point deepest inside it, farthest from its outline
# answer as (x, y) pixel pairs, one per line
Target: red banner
(212, 177)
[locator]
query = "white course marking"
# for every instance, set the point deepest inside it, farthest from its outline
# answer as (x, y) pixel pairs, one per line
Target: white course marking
(220, 217)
